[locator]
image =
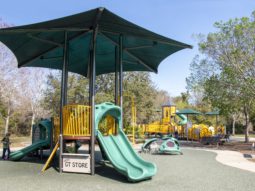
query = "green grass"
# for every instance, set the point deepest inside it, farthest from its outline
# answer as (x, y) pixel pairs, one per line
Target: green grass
(242, 135)
(18, 141)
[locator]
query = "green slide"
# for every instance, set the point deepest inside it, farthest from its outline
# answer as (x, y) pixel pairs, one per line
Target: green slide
(119, 150)
(184, 119)
(18, 155)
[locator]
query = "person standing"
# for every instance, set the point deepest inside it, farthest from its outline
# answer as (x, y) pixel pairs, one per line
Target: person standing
(6, 145)
(176, 135)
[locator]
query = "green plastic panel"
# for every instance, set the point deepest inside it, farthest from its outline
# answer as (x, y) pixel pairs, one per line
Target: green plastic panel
(119, 150)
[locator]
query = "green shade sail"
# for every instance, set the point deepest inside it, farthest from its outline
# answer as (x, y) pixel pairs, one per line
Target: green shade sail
(212, 113)
(188, 112)
(41, 44)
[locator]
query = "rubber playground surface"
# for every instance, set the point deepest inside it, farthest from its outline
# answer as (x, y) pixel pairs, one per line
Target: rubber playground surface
(194, 170)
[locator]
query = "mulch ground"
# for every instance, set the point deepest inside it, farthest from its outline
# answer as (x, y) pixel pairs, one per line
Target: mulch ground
(245, 148)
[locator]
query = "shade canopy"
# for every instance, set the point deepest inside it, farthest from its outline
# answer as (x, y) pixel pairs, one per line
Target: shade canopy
(188, 112)
(41, 44)
(212, 113)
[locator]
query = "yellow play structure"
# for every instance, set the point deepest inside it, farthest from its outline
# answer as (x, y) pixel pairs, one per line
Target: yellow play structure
(197, 131)
(168, 123)
(74, 117)
(77, 126)
(172, 122)
(76, 123)
(76, 120)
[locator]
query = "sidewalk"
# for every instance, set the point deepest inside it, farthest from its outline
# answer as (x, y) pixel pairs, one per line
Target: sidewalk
(234, 159)
(230, 158)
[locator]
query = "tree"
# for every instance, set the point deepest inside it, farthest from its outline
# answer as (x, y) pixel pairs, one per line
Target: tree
(229, 54)
(9, 83)
(51, 98)
(182, 101)
(136, 84)
(20, 91)
(31, 93)
(140, 85)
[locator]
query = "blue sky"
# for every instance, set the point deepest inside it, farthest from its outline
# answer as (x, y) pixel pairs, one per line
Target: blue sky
(176, 19)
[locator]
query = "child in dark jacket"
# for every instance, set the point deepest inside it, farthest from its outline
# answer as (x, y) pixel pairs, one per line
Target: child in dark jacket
(6, 145)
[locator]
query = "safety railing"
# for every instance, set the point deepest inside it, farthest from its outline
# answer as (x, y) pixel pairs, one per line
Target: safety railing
(56, 124)
(76, 120)
(158, 128)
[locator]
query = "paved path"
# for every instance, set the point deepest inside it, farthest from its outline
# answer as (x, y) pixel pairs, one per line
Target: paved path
(194, 170)
(231, 158)
(234, 159)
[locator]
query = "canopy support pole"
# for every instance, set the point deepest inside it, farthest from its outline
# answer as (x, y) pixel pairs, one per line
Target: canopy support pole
(64, 80)
(121, 77)
(92, 78)
(92, 92)
(116, 77)
(187, 129)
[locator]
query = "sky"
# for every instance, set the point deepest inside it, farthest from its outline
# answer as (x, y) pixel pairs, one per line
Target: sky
(176, 19)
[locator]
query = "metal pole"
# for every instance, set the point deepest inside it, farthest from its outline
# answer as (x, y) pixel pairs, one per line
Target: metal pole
(121, 78)
(116, 77)
(64, 80)
(92, 76)
(51, 136)
(116, 86)
(92, 79)
(133, 117)
(187, 129)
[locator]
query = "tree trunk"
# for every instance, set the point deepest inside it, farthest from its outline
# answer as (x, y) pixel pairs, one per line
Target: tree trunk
(7, 120)
(234, 126)
(247, 121)
(32, 123)
(247, 134)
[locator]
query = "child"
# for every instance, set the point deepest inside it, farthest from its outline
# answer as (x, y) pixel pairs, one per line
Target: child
(6, 145)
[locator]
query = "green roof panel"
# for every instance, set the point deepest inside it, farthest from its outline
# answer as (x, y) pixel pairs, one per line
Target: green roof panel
(41, 44)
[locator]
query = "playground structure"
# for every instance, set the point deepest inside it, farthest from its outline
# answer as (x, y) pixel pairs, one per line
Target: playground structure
(165, 145)
(168, 123)
(42, 138)
(201, 132)
(172, 122)
(90, 45)
(118, 148)
(198, 131)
